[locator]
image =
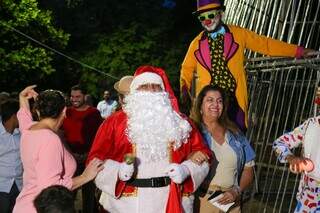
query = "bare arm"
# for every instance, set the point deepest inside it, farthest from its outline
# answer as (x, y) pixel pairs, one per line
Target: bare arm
(246, 178)
(91, 171)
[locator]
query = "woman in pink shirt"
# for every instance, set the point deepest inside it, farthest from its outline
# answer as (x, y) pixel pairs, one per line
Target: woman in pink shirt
(45, 160)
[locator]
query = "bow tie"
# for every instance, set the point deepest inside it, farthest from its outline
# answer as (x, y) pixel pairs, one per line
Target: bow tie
(221, 31)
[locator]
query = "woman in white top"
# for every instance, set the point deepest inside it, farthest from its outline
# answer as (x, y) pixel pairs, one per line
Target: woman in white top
(231, 169)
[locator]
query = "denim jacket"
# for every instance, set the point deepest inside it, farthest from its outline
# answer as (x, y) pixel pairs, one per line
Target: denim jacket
(238, 142)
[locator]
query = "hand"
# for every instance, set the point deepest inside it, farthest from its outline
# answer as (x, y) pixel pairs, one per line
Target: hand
(229, 197)
(198, 157)
(310, 52)
(126, 171)
(177, 172)
(92, 169)
(297, 164)
(28, 93)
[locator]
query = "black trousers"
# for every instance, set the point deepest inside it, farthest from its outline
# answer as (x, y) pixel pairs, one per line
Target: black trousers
(89, 201)
(7, 200)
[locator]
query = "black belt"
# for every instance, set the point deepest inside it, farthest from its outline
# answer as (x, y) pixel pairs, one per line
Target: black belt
(150, 182)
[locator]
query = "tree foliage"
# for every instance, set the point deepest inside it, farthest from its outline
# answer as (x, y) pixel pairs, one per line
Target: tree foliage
(22, 60)
(129, 35)
(121, 52)
(114, 37)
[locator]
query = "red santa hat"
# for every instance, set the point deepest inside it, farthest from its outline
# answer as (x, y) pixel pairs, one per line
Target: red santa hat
(154, 75)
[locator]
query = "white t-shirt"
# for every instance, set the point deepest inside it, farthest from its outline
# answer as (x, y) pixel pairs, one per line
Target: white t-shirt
(106, 108)
(226, 165)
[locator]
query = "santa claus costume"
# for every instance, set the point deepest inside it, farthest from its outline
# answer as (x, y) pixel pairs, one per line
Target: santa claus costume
(151, 128)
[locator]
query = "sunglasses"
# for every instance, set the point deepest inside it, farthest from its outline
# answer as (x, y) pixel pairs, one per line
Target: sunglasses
(208, 15)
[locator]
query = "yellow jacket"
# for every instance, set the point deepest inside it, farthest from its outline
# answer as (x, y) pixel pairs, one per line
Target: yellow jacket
(236, 40)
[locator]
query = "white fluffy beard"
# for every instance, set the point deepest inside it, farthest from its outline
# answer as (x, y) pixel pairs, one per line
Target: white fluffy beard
(153, 124)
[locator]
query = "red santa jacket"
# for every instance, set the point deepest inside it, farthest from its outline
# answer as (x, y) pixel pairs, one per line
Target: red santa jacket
(111, 142)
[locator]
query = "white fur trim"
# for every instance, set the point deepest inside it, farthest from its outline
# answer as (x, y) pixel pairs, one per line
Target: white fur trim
(187, 203)
(197, 172)
(146, 78)
(104, 201)
(106, 179)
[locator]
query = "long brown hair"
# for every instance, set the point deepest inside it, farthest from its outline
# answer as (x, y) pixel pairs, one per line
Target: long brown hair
(223, 119)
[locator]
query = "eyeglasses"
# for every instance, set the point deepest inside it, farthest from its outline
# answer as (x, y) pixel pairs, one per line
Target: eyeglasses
(208, 15)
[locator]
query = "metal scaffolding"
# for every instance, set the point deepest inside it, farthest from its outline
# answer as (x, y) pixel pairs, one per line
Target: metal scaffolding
(282, 93)
(281, 90)
(296, 22)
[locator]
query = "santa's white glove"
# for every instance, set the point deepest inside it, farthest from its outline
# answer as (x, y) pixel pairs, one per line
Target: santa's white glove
(177, 172)
(125, 171)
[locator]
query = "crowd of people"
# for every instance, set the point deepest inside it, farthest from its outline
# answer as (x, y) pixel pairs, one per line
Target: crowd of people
(140, 152)
(62, 148)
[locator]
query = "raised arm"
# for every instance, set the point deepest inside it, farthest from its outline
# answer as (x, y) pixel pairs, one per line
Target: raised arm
(27, 94)
(24, 115)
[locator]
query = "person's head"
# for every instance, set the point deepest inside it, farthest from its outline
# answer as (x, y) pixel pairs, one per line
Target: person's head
(9, 109)
(153, 116)
(212, 105)
(88, 100)
(209, 13)
(55, 199)
(123, 87)
(50, 104)
(4, 96)
(77, 96)
(106, 95)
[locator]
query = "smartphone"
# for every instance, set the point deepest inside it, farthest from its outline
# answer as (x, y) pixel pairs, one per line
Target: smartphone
(215, 194)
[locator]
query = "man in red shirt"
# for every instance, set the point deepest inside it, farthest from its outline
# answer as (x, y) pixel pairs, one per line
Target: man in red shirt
(80, 126)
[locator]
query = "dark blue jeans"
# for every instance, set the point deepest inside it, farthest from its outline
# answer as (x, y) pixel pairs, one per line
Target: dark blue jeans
(7, 200)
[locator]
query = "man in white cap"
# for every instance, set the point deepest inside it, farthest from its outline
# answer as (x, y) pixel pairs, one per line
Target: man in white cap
(146, 148)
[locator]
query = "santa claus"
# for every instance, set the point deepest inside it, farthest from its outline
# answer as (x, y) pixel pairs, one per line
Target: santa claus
(159, 178)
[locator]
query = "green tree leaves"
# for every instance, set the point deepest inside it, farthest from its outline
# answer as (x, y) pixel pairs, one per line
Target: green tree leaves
(20, 57)
(114, 37)
(127, 48)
